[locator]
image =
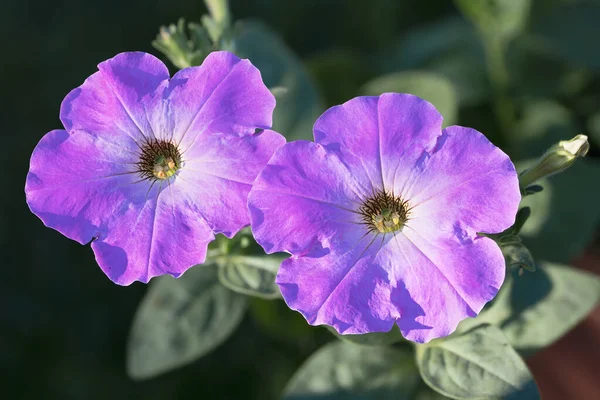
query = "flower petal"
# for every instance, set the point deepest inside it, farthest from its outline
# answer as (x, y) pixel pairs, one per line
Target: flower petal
(409, 128)
(450, 278)
(224, 94)
(344, 290)
(305, 198)
(109, 103)
(389, 279)
(160, 235)
(467, 185)
(76, 181)
(218, 173)
(79, 185)
(375, 134)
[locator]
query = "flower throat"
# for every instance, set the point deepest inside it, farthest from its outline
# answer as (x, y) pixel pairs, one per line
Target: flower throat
(383, 212)
(159, 160)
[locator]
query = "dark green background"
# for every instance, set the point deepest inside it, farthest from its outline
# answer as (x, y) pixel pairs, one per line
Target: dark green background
(63, 324)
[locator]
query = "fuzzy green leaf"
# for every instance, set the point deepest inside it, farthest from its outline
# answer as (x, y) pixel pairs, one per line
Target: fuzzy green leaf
(180, 320)
(251, 275)
(341, 370)
(477, 364)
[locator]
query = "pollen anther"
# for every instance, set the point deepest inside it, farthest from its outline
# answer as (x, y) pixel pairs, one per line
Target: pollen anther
(384, 212)
(159, 159)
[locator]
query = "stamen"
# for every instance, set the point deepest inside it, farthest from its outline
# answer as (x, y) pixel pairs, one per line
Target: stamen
(159, 160)
(383, 212)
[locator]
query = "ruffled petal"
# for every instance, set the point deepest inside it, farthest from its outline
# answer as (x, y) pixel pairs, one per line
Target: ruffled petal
(157, 236)
(380, 135)
(345, 289)
(451, 278)
(391, 279)
(305, 198)
(83, 181)
(440, 299)
(77, 182)
(84, 187)
(225, 94)
(409, 128)
(218, 173)
(110, 102)
(466, 186)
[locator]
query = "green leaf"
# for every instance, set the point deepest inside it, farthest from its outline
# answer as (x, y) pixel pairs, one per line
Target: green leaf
(434, 88)
(372, 339)
(180, 320)
(477, 364)
(342, 370)
(297, 111)
(251, 275)
(571, 30)
(536, 309)
(564, 216)
(448, 47)
(546, 305)
(503, 18)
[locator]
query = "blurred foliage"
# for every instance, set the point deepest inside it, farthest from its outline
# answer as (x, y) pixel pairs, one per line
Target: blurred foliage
(526, 80)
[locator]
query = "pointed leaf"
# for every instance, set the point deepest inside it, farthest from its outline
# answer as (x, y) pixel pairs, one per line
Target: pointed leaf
(477, 364)
(180, 320)
(342, 370)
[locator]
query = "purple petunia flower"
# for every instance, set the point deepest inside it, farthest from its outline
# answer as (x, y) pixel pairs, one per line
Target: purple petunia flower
(150, 168)
(381, 215)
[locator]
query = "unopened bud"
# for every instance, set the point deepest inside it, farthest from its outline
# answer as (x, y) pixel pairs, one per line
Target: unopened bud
(558, 158)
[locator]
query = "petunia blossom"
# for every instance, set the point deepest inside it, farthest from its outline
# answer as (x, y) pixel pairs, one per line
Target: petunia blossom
(149, 168)
(381, 215)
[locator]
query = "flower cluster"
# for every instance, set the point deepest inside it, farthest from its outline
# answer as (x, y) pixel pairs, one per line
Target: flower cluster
(381, 213)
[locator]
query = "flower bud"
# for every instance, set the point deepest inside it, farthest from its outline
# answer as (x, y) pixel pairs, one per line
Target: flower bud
(556, 159)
